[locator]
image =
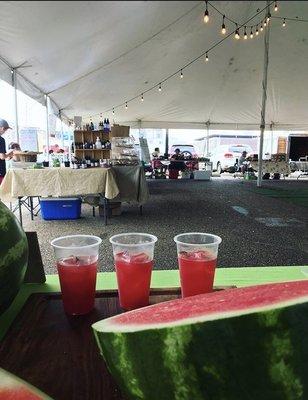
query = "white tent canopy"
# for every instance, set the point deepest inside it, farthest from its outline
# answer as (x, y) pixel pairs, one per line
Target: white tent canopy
(91, 56)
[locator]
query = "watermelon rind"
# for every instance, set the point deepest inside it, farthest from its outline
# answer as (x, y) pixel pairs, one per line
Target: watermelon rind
(13, 256)
(255, 354)
(11, 384)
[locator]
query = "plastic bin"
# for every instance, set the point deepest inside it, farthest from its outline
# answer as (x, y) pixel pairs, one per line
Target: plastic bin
(60, 208)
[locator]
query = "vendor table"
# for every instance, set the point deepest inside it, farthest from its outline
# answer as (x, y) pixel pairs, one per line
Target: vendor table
(272, 167)
(57, 182)
(58, 353)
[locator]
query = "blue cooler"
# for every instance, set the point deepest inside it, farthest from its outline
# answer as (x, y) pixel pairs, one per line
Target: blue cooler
(60, 208)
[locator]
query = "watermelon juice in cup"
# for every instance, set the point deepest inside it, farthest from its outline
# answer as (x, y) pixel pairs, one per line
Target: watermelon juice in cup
(77, 260)
(133, 258)
(197, 257)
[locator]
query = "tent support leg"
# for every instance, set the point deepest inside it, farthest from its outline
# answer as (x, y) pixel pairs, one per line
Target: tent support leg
(264, 97)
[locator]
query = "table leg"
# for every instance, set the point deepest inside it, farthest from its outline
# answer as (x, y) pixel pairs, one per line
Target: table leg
(31, 207)
(20, 210)
(105, 210)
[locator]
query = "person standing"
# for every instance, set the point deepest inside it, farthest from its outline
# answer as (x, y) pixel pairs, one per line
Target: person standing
(4, 126)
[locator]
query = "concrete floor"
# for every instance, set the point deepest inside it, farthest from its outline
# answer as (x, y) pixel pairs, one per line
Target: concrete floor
(256, 230)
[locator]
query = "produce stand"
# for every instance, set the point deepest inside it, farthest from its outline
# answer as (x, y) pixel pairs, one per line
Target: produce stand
(58, 354)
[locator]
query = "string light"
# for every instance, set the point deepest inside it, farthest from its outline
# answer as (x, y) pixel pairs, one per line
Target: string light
(258, 28)
(206, 14)
(223, 26)
(237, 33)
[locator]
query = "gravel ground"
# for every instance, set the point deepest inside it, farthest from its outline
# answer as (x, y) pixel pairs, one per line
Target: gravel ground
(256, 230)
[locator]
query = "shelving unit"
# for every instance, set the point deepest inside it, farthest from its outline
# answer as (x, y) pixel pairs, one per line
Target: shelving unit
(90, 136)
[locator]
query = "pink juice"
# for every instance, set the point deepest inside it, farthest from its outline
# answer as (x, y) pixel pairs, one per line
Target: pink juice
(134, 277)
(78, 279)
(197, 270)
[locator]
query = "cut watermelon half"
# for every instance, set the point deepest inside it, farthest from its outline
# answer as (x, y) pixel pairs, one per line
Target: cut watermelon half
(13, 388)
(237, 344)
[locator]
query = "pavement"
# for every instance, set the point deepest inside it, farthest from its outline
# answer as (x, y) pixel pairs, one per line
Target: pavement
(256, 230)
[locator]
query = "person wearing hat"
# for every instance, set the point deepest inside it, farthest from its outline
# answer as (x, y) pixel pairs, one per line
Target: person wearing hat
(4, 126)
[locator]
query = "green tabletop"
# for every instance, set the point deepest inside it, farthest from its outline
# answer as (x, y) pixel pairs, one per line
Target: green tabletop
(161, 279)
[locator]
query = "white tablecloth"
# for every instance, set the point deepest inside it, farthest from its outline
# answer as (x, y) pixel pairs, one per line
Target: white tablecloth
(58, 182)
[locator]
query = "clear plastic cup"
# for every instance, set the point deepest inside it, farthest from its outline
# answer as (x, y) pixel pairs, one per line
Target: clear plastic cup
(133, 257)
(77, 260)
(197, 258)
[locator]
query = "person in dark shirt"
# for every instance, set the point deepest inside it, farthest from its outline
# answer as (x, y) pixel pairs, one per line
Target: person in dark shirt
(4, 126)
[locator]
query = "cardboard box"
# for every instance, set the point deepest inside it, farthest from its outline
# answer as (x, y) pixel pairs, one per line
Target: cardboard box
(119, 131)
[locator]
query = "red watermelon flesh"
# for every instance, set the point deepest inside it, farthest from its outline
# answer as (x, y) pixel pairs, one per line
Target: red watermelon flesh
(13, 388)
(18, 393)
(208, 306)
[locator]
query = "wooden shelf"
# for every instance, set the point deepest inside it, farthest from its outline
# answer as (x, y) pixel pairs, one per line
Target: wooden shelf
(92, 149)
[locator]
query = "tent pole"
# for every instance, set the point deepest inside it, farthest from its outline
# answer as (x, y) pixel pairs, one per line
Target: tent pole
(167, 142)
(264, 97)
(14, 83)
(47, 127)
(208, 138)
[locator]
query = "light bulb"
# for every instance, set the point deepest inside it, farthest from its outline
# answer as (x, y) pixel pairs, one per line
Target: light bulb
(237, 34)
(276, 6)
(126, 107)
(206, 17)
(113, 111)
(245, 34)
(264, 23)
(159, 87)
(206, 57)
(142, 99)
(284, 22)
(268, 18)
(257, 31)
(181, 76)
(223, 26)
(251, 34)
(261, 28)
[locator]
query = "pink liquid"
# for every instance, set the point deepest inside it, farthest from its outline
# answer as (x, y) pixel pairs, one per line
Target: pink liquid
(197, 271)
(78, 279)
(134, 277)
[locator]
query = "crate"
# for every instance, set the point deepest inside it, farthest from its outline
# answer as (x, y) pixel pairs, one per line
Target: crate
(60, 208)
(203, 175)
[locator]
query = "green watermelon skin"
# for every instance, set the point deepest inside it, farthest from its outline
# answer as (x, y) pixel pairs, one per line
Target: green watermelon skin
(258, 356)
(13, 256)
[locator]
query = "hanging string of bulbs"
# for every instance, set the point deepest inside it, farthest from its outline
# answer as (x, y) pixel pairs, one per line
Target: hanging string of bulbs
(251, 30)
(239, 27)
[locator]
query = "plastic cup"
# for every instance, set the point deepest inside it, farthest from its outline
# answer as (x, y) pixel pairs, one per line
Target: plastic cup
(133, 257)
(77, 260)
(197, 258)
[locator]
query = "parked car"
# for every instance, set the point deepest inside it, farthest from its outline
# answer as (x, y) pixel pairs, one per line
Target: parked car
(188, 150)
(224, 156)
(189, 153)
